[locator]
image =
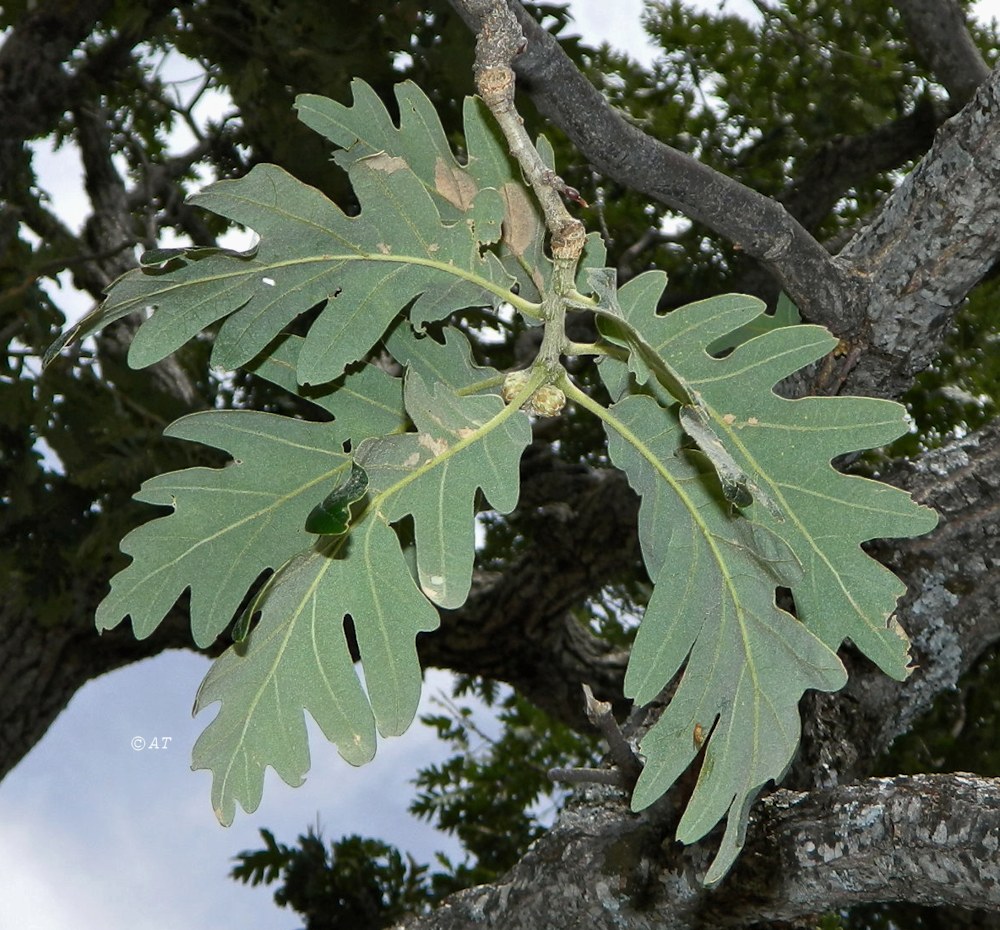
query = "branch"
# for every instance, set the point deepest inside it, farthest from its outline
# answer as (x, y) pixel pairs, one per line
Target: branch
(757, 225)
(935, 239)
(847, 161)
(940, 34)
(928, 839)
(34, 87)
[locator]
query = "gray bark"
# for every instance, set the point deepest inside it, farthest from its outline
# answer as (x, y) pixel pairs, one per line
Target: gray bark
(928, 839)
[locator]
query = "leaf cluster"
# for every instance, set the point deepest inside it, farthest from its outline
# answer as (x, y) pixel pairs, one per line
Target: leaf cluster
(354, 531)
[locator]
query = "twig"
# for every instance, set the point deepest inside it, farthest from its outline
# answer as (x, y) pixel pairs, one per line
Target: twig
(599, 714)
(499, 41)
(588, 776)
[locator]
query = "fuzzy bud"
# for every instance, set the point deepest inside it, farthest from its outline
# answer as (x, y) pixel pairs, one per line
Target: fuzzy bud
(547, 401)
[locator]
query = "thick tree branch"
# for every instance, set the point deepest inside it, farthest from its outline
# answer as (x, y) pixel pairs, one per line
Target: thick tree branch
(934, 240)
(35, 88)
(759, 226)
(940, 34)
(928, 839)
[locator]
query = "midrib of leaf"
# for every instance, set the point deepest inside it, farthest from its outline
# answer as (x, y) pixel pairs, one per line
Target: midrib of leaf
(509, 410)
(575, 394)
(524, 306)
(289, 629)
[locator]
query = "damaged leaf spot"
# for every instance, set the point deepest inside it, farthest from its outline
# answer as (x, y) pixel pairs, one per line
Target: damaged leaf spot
(454, 184)
(390, 164)
(435, 446)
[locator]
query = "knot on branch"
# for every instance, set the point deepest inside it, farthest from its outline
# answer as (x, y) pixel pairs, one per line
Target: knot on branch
(496, 86)
(568, 241)
(500, 39)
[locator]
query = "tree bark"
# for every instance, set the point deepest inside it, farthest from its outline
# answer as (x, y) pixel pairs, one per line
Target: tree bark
(929, 839)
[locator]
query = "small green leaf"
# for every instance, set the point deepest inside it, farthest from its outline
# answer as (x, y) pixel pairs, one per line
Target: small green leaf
(333, 516)
(462, 445)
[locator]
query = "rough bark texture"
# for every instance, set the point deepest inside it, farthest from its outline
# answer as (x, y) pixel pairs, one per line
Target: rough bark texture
(925, 839)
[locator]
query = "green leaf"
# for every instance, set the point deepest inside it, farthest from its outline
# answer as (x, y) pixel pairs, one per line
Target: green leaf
(366, 128)
(462, 445)
(784, 448)
(785, 314)
(297, 658)
(229, 525)
(363, 269)
(332, 517)
(367, 401)
(746, 662)
(715, 568)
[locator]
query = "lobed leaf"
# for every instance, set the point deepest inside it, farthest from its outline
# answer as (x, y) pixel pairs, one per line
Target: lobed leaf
(366, 128)
(785, 448)
(746, 662)
(462, 445)
(800, 525)
(229, 525)
(362, 269)
(298, 659)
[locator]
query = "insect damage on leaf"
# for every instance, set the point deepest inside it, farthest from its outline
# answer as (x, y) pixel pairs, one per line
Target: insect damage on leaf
(390, 164)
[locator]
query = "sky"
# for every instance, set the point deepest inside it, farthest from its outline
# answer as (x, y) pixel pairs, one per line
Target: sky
(104, 826)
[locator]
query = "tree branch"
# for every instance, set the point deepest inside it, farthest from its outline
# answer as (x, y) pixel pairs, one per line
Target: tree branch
(847, 161)
(928, 839)
(935, 239)
(759, 226)
(890, 294)
(940, 34)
